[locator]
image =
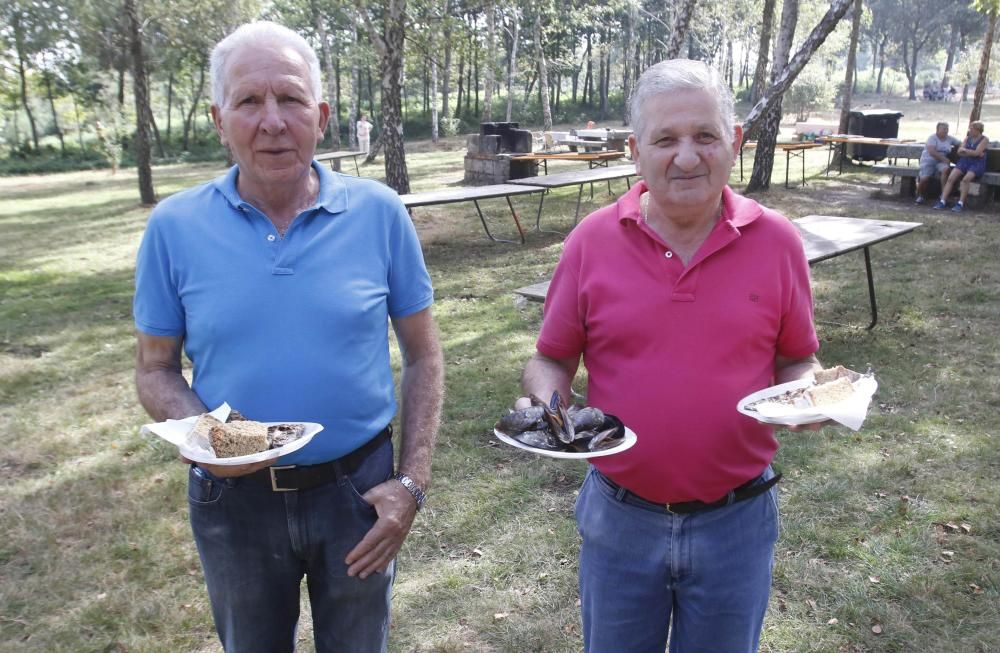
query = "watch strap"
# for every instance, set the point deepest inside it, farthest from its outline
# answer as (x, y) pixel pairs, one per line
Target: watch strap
(411, 486)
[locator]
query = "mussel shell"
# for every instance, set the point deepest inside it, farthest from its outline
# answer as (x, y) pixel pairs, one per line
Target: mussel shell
(587, 419)
(609, 435)
(539, 440)
(531, 418)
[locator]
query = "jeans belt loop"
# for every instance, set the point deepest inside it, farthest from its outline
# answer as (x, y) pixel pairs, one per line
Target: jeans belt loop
(620, 493)
(730, 497)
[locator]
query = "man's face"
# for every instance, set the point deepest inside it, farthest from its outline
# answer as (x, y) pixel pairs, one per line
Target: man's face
(683, 154)
(942, 131)
(269, 118)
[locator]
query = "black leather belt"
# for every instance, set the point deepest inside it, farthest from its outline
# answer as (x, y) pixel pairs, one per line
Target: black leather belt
(288, 478)
(748, 490)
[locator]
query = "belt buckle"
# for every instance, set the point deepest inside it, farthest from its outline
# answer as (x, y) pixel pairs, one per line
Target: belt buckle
(669, 509)
(274, 479)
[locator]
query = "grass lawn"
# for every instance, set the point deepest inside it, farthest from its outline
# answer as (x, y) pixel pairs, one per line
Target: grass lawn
(891, 536)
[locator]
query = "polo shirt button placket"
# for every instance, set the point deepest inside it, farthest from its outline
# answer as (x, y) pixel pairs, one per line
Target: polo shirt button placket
(668, 254)
(270, 238)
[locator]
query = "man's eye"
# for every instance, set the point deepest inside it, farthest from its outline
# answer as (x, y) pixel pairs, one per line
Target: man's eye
(707, 137)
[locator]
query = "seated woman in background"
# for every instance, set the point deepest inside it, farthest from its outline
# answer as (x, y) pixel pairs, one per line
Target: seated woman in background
(971, 166)
(934, 159)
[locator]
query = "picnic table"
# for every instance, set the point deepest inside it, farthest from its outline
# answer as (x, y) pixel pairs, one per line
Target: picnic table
(336, 156)
(574, 178)
(824, 237)
(843, 140)
(593, 159)
(795, 150)
(474, 194)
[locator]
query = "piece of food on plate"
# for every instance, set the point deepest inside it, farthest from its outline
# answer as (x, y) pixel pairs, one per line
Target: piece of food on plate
(278, 435)
(241, 438)
(204, 425)
(834, 373)
(831, 392)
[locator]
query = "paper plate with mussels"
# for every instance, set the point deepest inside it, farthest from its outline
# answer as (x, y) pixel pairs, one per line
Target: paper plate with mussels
(549, 429)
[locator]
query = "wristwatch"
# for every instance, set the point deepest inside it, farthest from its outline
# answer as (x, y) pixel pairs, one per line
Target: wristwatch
(411, 486)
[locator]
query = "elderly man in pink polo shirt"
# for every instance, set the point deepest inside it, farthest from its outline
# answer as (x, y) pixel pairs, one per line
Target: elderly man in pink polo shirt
(681, 298)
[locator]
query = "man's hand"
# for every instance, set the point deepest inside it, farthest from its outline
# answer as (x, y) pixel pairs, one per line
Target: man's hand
(228, 471)
(396, 509)
(815, 426)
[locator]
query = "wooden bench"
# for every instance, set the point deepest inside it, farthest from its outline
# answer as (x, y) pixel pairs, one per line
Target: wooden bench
(473, 194)
(824, 237)
(980, 192)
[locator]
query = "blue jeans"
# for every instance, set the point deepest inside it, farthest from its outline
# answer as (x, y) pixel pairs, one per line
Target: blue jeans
(702, 578)
(256, 545)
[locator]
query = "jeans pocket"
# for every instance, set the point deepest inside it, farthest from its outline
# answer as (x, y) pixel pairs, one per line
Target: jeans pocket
(376, 469)
(203, 489)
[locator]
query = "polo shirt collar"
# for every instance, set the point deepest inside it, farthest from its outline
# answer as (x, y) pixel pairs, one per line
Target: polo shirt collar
(736, 209)
(332, 190)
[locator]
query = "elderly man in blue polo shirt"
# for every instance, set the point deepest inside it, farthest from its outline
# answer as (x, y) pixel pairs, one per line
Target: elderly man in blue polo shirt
(278, 281)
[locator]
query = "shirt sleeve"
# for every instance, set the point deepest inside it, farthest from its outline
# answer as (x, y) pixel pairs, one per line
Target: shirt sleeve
(563, 333)
(797, 335)
(410, 289)
(156, 307)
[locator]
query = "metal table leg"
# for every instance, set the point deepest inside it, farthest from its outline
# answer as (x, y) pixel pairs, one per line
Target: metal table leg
(871, 289)
(516, 221)
(356, 168)
(487, 229)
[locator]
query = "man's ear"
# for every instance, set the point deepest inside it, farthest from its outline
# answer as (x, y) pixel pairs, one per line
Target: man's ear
(737, 140)
(217, 120)
(633, 146)
(324, 119)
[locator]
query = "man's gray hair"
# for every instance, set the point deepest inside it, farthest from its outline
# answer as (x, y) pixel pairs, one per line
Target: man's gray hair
(681, 75)
(940, 125)
(256, 35)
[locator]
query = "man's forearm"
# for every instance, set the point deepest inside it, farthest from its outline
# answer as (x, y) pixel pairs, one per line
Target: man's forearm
(165, 394)
(787, 370)
(543, 375)
(422, 392)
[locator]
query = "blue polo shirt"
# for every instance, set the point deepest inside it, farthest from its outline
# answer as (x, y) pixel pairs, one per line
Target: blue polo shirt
(293, 328)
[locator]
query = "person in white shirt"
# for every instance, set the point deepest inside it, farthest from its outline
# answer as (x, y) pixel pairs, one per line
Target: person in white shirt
(364, 131)
(934, 159)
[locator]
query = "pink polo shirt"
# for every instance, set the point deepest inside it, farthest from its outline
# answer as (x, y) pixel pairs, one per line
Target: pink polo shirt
(671, 350)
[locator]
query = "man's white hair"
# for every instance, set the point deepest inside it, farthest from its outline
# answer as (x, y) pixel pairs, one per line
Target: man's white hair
(257, 35)
(681, 75)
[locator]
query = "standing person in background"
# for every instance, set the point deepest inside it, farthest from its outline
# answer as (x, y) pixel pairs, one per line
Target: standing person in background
(934, 159)
(681, 298)
(364, 131)
(279, 280)
(970, 167)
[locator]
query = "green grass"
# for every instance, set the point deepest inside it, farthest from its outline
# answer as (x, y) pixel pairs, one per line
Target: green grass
(894, 527)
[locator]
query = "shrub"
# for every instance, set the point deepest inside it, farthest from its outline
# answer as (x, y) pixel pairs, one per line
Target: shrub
(811, 91)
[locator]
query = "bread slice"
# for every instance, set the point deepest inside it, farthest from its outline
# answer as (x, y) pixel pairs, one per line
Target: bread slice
(204, 425)
(834, 373)
(238, 438)
(830, 393)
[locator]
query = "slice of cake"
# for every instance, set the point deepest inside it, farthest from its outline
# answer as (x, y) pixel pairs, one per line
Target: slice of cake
(831, 392)
(238, 438)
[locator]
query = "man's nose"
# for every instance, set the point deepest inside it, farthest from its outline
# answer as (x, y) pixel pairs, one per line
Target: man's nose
(272, 122)
(686, 156)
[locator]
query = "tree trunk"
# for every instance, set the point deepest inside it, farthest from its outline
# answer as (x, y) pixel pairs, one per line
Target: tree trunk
(142, 110)
(630, 20)
(910, 69)
(446, 82)
(390, 45)
(434, 95)
(881, 63)
(763, 162)
(19, 46)
(79, 123)
(815, 39)
(760, 73)
(682, 19)
(984, 68)
(170, 101)
(512, 67)
(491, 60)
(543, 75)
(461, 84)
(55, 117)
(355, 99)
(950, 62)
(852, 58)
(331, 80)
(189, 119)
(588, 79)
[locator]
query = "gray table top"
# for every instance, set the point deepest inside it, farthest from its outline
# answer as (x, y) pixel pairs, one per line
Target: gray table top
(326, 156)
(466, 194)
(574, 177)
(823, 237)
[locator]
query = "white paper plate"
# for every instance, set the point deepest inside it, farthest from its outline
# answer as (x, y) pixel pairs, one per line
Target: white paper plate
(626, 443)
(178, 433)
(850, 412)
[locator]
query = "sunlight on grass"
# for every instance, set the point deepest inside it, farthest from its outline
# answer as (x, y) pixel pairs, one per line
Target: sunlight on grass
(97, 550)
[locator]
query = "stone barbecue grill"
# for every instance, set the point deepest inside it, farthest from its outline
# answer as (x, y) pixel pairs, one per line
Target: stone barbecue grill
(488, 154)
